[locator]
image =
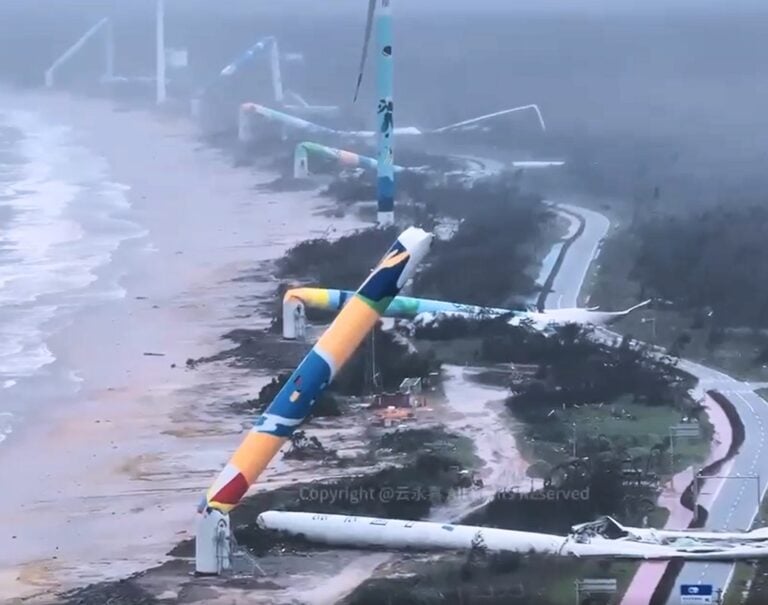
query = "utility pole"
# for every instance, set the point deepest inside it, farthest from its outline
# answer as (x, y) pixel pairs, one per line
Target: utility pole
(373, 358)
(683, 430)
(652, 321)
(109, 50)
(574, 439)
(672, 456)
(160, 50)
(695, 494)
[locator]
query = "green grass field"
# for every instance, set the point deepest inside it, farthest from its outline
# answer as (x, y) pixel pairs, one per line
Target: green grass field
(639, 427)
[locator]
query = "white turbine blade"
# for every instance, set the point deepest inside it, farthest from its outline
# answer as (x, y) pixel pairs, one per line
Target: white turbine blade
(366, 42)
(496, 114)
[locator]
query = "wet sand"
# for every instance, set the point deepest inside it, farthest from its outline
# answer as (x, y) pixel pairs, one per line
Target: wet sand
(105, 484)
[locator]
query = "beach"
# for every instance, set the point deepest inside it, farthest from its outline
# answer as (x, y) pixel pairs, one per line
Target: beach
(115, 439)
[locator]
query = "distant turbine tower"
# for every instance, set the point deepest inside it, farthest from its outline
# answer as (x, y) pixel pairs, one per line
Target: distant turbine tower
(384, 105)
(160, 51)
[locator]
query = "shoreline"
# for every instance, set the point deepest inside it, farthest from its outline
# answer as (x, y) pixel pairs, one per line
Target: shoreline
(153, 409)
(71, 519)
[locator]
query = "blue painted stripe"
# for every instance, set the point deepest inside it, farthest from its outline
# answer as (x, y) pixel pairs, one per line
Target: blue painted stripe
(386, 194)
(327, 359)
(385, 108)
(295, 399)
(264, 424)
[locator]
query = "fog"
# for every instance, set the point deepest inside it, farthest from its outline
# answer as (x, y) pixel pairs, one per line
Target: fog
(675, 89)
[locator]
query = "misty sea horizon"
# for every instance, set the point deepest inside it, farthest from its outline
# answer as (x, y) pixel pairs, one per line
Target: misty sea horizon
(58, 231)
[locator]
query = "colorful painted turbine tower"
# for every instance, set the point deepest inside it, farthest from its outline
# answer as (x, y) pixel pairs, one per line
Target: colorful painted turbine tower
(293, 403)
(296, 299)
(385, 110)
(342, 157)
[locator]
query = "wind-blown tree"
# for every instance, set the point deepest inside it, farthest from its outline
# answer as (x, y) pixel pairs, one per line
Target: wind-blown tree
(488, 259)
(714, 260)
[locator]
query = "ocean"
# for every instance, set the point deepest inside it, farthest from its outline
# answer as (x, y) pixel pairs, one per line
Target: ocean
(61, 220)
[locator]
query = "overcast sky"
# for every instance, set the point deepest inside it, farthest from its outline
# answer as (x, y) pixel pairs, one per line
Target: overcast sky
(408, 6)
(549, 5)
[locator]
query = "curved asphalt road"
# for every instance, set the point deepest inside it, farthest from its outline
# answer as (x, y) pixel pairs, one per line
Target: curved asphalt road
(573, 272)
(732, 503)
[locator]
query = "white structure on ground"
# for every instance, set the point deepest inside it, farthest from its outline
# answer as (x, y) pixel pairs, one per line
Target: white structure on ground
(291, 122)
(105, 25)
(584, 541)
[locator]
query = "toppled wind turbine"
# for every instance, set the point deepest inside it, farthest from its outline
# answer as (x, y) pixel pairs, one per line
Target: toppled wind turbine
(350, 159)
(293, 403)
(367, 532)
(301, 126)
(269, 44)
(425, 310)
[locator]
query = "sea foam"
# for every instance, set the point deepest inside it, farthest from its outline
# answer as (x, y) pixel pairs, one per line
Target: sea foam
(66, 219)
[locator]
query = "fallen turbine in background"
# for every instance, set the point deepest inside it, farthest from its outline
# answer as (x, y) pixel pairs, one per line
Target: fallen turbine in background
(608, 527)
(250, 111)
(286, 99)
(350, 159)
(425, 310)
(548, 318)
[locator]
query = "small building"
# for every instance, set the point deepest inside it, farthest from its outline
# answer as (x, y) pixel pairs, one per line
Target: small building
(391, 416)
(391, 400)
(411, 386)
(522, 373)
(408, 395)
(431, 381)
(525, 370)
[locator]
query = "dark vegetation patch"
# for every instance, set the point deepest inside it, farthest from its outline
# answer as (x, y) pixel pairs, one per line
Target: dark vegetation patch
(501, 229)
(424, 479)
(451, 580)
(394, 361)
(488, 259)
(413, 440)
(713, 260)
(257, 349)
(123, 592)
(360, 185)
(585, 489)
(482, 578)
(576, 369)
(343, 263)
(326, 405)
(573, 366)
